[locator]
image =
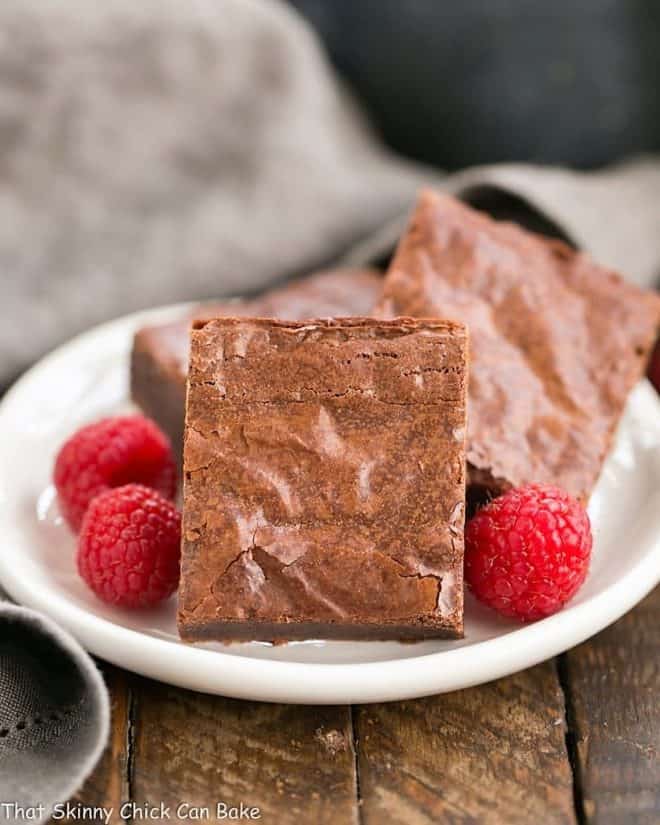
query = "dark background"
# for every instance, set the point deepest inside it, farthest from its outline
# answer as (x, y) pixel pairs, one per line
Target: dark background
(478, 81)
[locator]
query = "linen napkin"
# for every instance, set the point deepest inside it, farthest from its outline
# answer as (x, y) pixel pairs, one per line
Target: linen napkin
(54, 714)
(158, 151)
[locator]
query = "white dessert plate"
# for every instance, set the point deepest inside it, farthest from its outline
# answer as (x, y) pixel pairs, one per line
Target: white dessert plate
(88, 378)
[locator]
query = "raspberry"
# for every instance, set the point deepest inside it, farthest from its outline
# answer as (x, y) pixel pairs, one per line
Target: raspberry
(527, 553)
(110, 453)
(129, 546)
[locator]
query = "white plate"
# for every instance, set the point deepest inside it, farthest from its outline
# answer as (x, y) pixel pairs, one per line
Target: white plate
(88, 378)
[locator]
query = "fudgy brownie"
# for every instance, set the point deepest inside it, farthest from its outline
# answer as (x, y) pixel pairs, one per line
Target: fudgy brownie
(324, 480)
(159, 360)
(556, 341)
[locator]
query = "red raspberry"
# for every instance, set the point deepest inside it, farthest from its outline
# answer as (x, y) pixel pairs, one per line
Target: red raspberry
(129, 546)
(110, 453)
(654, 367)
(527, 552)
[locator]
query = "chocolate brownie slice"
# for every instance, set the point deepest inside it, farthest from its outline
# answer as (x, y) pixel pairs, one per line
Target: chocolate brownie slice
(557, 341)
(324, 480)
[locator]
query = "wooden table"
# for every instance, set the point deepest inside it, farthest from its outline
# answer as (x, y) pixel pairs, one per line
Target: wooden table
(574, 740)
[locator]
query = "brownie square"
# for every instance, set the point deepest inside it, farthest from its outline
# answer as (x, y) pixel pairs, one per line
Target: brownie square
(556, 342)
(324, 480)
(159, 359)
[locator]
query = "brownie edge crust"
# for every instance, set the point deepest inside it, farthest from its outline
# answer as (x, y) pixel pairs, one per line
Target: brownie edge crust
(324, 480)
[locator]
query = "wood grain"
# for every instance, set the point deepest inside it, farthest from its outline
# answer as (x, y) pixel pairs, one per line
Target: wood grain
(493, 755)
(612, 684)
(297, 764)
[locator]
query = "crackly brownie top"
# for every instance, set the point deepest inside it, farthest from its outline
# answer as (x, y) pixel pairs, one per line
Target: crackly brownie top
(324, 471)
(557, 342)
(344, 291)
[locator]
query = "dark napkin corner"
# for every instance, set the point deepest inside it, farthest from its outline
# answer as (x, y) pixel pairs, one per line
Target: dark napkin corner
(54, 712)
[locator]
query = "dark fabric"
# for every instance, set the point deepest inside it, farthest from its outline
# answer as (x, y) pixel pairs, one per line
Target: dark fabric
(54, 712)
(483, 81)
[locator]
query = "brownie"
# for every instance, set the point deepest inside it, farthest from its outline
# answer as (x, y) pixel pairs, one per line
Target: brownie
(159, 360)
(556, 341)
(324, 480)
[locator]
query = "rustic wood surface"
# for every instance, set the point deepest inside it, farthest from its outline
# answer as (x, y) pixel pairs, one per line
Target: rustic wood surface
(296, 764)
(496, 753)
(575, 740)
(612, 686)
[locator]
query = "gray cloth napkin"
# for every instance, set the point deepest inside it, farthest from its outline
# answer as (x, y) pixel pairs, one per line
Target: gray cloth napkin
(152, 152)
(54, 714)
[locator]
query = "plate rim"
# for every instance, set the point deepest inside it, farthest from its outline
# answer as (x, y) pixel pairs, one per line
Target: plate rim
(245, 677)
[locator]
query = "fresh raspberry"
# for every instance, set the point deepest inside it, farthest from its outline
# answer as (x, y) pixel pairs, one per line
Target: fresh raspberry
(110, 453)
(527, 552)
(654, 367)
(129, 546)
